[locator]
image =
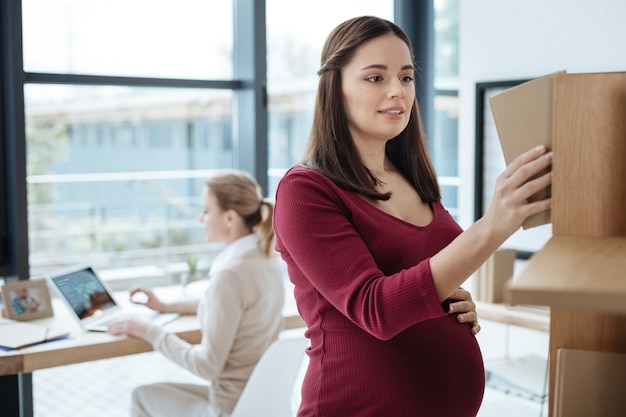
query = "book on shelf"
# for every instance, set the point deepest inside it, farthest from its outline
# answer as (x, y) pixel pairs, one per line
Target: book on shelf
(523, 116)
(590, 383)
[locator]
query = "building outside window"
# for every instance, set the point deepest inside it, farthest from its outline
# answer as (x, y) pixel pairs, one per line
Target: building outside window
(114, 173)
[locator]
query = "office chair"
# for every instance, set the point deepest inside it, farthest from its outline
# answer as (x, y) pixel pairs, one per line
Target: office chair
(269, 391)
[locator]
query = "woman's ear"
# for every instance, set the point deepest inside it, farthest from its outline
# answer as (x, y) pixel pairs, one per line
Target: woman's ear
(231, 216)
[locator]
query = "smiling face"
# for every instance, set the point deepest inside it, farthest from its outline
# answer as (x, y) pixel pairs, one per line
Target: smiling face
(378, 89)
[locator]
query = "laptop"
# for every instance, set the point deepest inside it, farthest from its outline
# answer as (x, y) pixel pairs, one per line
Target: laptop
(92, 302)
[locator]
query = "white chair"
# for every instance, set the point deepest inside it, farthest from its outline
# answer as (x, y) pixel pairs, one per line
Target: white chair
(270, 389)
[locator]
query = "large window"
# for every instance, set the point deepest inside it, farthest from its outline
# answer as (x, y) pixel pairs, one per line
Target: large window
(114, 173)
(128, 105)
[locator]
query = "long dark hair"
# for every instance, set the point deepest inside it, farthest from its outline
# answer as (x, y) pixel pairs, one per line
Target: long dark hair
(331, 150)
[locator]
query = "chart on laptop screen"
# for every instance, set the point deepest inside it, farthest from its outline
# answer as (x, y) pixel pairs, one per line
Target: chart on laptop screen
(85, 294)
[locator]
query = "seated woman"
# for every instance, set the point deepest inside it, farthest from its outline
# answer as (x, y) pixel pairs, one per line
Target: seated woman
(240, 313)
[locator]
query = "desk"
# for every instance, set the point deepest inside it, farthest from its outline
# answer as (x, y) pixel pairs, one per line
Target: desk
(89, 346)
(16, 366)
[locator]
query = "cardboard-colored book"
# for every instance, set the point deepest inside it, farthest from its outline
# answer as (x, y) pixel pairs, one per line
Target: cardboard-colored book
(590, 383)
(523, 116)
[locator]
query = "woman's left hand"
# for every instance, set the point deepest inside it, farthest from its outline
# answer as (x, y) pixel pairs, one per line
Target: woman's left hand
(463, 306)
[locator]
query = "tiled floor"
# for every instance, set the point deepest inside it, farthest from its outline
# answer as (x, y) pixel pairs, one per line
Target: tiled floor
(102, 388)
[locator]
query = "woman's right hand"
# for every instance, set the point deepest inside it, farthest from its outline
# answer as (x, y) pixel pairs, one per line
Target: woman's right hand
(510, 206)
(149, 299)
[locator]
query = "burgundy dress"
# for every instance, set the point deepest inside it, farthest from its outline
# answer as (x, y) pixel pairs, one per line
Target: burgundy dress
(381, 342)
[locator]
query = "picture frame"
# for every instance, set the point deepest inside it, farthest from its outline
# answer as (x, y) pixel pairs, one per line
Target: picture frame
(489, 162)
(27, 299)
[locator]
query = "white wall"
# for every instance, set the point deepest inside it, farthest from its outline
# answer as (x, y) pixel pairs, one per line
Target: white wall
(508, 40)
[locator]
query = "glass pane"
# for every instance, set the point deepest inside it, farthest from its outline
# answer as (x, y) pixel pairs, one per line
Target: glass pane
(446, 44)
(444, 147)
(182, 39)
(296, 32)
(449, 195)
(444, 138)
(115, 174)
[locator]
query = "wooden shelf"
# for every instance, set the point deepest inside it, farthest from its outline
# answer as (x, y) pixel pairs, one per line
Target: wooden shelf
(581, 272)
(575, 272)
(515, 316)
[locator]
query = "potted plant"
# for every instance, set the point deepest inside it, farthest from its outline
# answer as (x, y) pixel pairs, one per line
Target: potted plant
(192, 273)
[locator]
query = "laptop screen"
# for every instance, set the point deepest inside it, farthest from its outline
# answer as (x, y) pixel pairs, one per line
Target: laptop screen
(84, 292)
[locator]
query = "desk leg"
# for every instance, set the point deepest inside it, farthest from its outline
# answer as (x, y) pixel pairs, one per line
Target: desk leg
(16, 395)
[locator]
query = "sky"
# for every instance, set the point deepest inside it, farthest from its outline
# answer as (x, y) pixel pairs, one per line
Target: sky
(186, 38)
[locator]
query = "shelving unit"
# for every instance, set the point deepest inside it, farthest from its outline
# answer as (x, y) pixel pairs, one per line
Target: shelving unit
(581, 272)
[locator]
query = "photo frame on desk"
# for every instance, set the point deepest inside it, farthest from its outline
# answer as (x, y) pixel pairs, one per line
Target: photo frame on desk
(27, 299)
(489, 162)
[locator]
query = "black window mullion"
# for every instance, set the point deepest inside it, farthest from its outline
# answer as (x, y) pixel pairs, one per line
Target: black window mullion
(81, 79)
(251, 119)
(417, 19)
(14, 243)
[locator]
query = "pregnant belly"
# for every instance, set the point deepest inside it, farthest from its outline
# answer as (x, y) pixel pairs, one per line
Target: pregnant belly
(434, 368)
(447, 366)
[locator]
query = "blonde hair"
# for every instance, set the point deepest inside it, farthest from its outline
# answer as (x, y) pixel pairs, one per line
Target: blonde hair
(237, 190)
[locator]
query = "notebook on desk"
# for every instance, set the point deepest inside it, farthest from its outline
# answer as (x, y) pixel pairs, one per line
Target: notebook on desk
(91, 301)
(18, 334)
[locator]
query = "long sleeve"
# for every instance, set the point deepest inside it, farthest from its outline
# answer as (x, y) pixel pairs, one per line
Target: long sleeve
(219, 317)
(182, 306)
(381, 342)
(240, 315)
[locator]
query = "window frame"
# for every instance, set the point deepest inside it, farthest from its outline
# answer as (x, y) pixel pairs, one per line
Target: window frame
(15, 245)
(248, 86)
